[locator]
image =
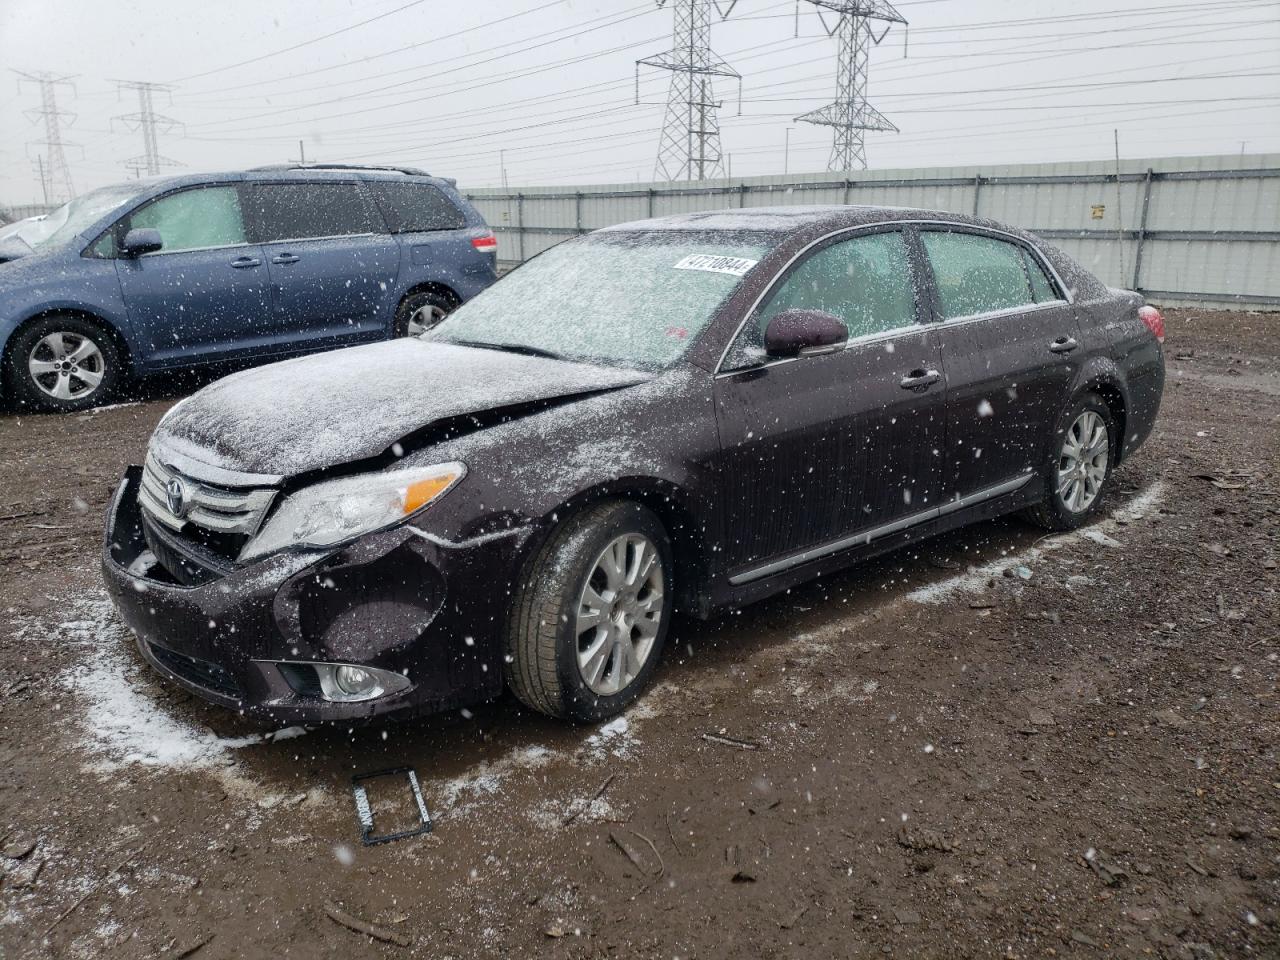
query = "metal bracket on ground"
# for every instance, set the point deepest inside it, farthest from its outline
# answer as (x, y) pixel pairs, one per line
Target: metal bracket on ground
(365, 812)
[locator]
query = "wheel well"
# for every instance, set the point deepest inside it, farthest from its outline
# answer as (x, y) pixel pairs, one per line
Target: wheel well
(107, 327)
(688, 541)
(433, 287)
(1114, 400)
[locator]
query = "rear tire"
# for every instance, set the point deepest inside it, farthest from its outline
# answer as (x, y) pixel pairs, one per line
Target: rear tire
(62, 363)
(583, 643)
(1078, 475)
(422, 311)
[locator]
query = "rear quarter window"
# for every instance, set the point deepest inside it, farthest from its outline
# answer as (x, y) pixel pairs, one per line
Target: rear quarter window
(417, 207)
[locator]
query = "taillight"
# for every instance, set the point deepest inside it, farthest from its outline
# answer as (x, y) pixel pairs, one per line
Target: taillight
(486, 244)
(1154, 321)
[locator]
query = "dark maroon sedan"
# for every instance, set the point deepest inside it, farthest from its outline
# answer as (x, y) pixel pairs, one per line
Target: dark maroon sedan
(685, 414)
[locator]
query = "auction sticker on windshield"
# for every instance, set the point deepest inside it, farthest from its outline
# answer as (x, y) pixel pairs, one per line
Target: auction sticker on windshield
(737, 266)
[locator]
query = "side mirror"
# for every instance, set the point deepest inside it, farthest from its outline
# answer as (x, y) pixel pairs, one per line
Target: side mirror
(796, 332)
(141, 240)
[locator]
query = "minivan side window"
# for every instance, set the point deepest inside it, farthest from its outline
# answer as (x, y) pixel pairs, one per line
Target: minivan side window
(866, 281)
(301, 211)
(975, 274)
(193, 219)
(416, 207)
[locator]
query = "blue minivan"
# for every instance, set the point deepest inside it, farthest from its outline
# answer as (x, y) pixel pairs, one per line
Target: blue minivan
(236, 268)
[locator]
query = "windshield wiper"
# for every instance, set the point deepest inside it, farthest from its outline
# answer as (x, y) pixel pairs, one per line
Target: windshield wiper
(510, 348)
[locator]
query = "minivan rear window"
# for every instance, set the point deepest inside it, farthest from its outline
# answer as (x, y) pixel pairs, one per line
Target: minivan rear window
(417, 207)
(297, 211)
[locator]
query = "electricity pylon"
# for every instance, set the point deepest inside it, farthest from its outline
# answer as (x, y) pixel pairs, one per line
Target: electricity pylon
(850, 114)
(690, 145)
(55, 174)
(149, 122)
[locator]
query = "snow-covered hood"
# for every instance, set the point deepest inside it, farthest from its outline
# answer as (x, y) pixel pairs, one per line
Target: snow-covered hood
(333, 408)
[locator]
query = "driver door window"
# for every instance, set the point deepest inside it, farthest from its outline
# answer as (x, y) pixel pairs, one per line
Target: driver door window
(194, 219)
(866, 281)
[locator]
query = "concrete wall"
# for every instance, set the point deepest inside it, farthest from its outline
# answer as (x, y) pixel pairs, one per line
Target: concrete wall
(1184, 230)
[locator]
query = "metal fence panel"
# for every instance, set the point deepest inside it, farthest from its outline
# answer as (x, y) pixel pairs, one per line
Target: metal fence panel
(1202, 230)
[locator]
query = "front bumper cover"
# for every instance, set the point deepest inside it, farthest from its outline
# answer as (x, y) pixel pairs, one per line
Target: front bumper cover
(397, 600)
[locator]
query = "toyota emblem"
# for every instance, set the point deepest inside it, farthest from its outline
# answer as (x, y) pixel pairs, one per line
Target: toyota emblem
(175, 494)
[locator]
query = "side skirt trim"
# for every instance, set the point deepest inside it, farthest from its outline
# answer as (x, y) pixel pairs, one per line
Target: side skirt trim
(875, 533)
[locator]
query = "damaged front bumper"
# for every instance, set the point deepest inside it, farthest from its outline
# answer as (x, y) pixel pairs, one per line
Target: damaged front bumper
(247, 637)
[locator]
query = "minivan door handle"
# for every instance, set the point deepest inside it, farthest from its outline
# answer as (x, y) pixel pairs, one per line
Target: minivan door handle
(285, 258)
(241, 263)
(919, 378)
(1063, 345)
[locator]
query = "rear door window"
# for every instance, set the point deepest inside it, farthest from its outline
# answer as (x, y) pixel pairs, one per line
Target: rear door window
(301, 211)
(1041, 285)
(416, 207)
(975, 274)
(193, 219)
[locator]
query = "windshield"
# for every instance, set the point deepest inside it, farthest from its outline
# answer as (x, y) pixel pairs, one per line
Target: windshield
(77, 216)
(628, 300)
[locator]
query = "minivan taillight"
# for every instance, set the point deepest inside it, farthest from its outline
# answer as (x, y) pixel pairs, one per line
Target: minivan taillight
(486, 244)
(1154, 321)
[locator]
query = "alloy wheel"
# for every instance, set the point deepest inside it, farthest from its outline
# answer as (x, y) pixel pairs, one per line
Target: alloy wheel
(1082, 464)
(66, 365)
(619, 612)
(424, 318)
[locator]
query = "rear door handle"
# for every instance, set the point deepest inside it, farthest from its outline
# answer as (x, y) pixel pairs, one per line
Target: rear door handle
(241, 262)
(919, 378)
(285, 258)
(1063, 345)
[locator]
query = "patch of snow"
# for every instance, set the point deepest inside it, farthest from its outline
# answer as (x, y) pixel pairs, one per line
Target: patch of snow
(976, 578)
(121, 723)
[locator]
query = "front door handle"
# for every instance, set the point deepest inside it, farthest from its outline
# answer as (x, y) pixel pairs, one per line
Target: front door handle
(1063, 345)
(241, 263)
(919, 378)
(285, 258)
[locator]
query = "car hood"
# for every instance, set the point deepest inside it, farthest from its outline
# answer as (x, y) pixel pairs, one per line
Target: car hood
(334, 408)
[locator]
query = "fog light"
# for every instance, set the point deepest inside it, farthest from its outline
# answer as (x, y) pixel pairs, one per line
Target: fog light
(354, 681)
(341, 682)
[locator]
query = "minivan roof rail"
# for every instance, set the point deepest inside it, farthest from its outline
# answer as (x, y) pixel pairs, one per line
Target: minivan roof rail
(409, 171)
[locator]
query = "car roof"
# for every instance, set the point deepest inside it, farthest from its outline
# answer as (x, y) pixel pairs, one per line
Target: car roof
(787, 220)
(287, 172)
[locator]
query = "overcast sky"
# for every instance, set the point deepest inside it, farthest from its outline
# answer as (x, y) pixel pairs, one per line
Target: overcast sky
(447, 84)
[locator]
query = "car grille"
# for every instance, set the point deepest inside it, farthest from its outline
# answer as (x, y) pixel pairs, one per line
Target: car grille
(201, 673)
(220, 510)
(188, 562)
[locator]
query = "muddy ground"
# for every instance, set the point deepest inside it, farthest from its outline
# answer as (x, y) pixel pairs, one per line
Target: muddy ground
(924, 757)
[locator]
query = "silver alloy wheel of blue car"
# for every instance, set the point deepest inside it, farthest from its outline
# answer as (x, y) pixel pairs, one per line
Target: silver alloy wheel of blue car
(66, 365)
(619, 612)
(426, 317)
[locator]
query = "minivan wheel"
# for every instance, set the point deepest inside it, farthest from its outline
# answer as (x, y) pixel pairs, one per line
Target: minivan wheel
(590, 620)
(422, 311)
(1077, 479)
(62, 363)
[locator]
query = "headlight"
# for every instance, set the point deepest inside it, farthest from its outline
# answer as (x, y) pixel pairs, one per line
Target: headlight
(334, 512)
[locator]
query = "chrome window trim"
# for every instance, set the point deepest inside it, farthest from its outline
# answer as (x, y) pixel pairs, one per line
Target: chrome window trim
(875, 533)
(332, 236)
(173, 253)
(952, 224)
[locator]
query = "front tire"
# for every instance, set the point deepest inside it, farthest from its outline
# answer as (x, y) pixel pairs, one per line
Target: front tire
(589, 623)
(1078, 476)
(63, 363)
